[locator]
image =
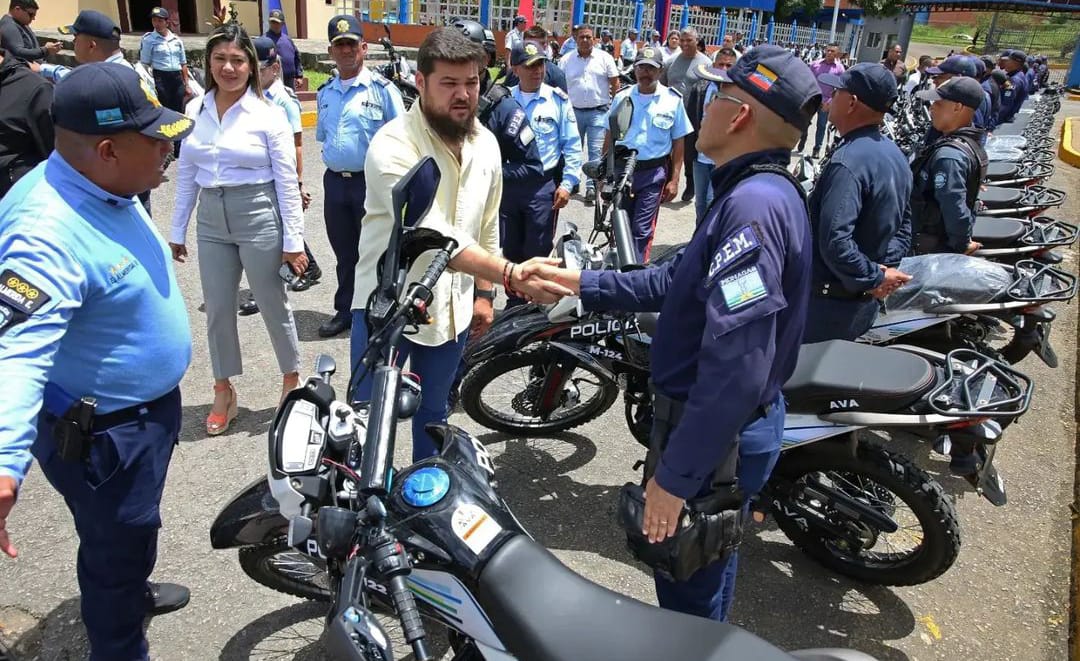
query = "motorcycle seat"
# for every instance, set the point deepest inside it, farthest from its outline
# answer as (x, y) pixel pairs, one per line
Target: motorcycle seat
(842, 375)
(997, 197)
(998, 232)
(543, 611)
(999, 170)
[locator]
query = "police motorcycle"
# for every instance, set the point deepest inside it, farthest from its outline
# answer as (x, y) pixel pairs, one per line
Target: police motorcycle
(334, 521)
(398, 71)
(1009, 240)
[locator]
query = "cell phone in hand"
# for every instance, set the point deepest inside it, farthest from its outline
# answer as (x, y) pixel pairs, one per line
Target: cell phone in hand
(286, 273)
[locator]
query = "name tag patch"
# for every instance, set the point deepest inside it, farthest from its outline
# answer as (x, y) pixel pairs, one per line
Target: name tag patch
(20, 294)
(743, 288)
(740, 245)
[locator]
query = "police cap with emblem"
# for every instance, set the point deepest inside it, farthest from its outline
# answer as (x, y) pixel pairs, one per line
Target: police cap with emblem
(159, 12)
(649, 56)
(277, 16)
(777, 79)
(94, 24)
(345, 26)
(958, 65)
(962, 89)
(265, 50)
(527, 54)
(105, 98)
(872, 84)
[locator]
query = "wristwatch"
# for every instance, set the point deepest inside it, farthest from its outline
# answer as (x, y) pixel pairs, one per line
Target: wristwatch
(489, 294)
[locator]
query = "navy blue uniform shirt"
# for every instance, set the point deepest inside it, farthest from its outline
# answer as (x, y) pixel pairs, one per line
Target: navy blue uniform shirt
(942, 181)
(1012, 97)
(860, 211)
(287, 53)
(733, 308)
(517, 142)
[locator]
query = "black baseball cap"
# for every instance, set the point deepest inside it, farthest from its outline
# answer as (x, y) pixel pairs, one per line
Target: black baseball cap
(105, 98)
(265, 50)
(93, 23)
(872, 84)
(520, 19)
(344, 26)
(527, 54)
(159, 12)
(1017, 56)
(777, 79)
(650, 56)
(961, 89)
(958, 65)
(277, 16)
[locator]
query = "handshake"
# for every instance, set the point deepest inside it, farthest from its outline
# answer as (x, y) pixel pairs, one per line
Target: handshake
(541, 280)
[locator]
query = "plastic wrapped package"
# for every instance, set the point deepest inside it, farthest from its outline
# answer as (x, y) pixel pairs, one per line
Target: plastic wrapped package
(947, 278)
(1004, 154)
(999, 142)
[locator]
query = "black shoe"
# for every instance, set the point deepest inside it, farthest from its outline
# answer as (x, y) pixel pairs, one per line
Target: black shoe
(335, 326)
(814, 154)
(166, 598)
(688, 195)
(248, 307)
(590, 198)
(310, 278)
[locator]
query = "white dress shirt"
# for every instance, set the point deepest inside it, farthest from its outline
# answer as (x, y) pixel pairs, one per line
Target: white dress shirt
(466, 207)
(587, 78)
(251, 144)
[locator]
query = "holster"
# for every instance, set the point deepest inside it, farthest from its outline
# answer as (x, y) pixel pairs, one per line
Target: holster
(73, 432)
(710, 526)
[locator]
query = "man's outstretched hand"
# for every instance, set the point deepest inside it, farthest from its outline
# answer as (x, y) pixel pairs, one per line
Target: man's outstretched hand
(8, 489)
(549, 269)
(530, 281)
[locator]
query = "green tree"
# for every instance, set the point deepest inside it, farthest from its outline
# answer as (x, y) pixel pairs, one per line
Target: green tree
(785, 9)
(880, 7)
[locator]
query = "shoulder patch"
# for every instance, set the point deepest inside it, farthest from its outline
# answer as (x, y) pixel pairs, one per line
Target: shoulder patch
(18, 293)
(516, 122)
(734, 249)
(743, 288)
(939, 180)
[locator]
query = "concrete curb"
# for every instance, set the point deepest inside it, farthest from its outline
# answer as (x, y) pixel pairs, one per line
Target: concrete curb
(1069, 147)
(308, 118)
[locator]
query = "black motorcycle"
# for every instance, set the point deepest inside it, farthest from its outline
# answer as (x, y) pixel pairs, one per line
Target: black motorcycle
(397, 70)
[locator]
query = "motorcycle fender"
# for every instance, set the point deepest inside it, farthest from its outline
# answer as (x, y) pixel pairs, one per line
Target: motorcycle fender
(511, 330)
(251, 517)
(583, 356)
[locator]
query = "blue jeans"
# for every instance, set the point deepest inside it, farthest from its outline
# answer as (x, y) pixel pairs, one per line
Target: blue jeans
(819, 133)
(591, 124)
(435, 366)
(702, 189)
(711, 590)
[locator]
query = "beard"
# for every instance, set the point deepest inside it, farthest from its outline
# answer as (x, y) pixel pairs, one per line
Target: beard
(447, 127)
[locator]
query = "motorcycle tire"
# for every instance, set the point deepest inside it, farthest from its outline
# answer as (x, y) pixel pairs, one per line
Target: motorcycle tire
(258, 563)
(894, 477)
(483, 375)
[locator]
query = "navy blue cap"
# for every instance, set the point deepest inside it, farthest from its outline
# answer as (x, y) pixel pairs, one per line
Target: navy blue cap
(961, 89)
(1017, 56)
(651, 56)
(872, 84)
(344, 26)
(520, 19)
(527, 54)
(93, 23)
(159, 12)
(777, 79)
(605, 33)
(265, 50)
(958, 65)
(980, 66)
(277, 16)
(105, 98)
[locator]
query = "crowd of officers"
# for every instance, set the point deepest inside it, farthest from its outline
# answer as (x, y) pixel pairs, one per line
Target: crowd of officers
(737, 299)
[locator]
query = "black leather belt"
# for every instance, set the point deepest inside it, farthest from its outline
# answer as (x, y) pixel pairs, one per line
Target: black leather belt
(651, 163)
(836, 291)
(603, 107)
(122, 416)
(346, 175)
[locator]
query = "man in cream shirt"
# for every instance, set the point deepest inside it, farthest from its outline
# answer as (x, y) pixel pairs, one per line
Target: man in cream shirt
(466, 207)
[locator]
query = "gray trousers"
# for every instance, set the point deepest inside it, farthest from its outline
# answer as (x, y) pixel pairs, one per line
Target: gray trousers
(239, 231)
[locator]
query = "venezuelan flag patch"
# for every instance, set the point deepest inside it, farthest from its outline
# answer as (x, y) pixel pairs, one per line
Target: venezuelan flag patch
(763, 78)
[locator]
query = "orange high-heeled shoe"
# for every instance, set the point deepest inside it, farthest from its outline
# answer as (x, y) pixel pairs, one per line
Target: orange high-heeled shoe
(217, 423)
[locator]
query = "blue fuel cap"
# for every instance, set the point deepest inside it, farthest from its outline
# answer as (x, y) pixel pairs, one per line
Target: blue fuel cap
(425, 487)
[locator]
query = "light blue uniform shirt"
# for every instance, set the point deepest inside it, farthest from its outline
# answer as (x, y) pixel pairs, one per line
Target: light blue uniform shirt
(554, 126)
(162, 53)
(658, 119)
(569, 45)
(628, 49)
(349, 117)
(279, 96)
(710, 92)
(90, 300)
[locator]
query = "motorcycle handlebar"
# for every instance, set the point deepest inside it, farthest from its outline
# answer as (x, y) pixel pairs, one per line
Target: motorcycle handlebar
(624, 238)
(411, 624)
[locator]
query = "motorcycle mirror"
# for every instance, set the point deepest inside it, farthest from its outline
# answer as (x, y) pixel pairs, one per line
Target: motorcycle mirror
(325, 366)
(414, 194)
(375, 509)
(386, 29)
(622, 118)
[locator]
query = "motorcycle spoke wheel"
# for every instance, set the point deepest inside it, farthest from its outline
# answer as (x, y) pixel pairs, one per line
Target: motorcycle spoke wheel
(505, 393)
(280, 567)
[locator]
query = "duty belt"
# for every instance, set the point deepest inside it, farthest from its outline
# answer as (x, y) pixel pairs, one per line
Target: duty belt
(346, 175)
(650, 164)
(600, 107)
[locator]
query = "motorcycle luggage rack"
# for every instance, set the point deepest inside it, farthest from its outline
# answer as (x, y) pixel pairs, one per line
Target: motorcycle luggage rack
(1040, 283)
(1047, 232)
(1033, 198)
(971, 386)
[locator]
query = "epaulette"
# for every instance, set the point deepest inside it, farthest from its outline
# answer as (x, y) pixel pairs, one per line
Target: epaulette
(325, 83)
(675, 92)
(381, 79)
(559, 93)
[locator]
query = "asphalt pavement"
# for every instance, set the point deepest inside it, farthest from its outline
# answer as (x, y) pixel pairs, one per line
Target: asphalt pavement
(1005, 598)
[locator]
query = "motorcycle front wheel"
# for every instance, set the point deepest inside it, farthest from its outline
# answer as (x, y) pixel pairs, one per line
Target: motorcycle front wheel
(506, 393)
(280, 567)
(816, 495)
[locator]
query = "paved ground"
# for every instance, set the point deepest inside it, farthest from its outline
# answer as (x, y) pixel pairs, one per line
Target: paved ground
(1006, 597)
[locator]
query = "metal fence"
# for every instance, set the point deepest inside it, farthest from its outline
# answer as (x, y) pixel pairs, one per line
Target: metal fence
(1056, 43)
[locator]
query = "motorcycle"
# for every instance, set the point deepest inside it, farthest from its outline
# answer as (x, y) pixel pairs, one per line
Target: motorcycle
(334, 521)
(1008, 240)
(398, 71)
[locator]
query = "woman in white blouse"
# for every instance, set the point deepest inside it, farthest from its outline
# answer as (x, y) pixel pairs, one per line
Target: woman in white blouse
(240, 163)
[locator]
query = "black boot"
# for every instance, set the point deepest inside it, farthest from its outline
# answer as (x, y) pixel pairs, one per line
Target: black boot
(166, 597)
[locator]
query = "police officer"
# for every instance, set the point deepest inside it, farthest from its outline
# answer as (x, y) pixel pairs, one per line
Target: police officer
(1015, 93)
(606, 42)
(860, 212)
(991, 87)
(732, 305)
(287, 52)
(963, 65)
(628, 49)
(553, 75)
(530, 209)
(163, 52)
(949, 171)
(353, 106)
(94, 340)
(657, 129)
(26, 128)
